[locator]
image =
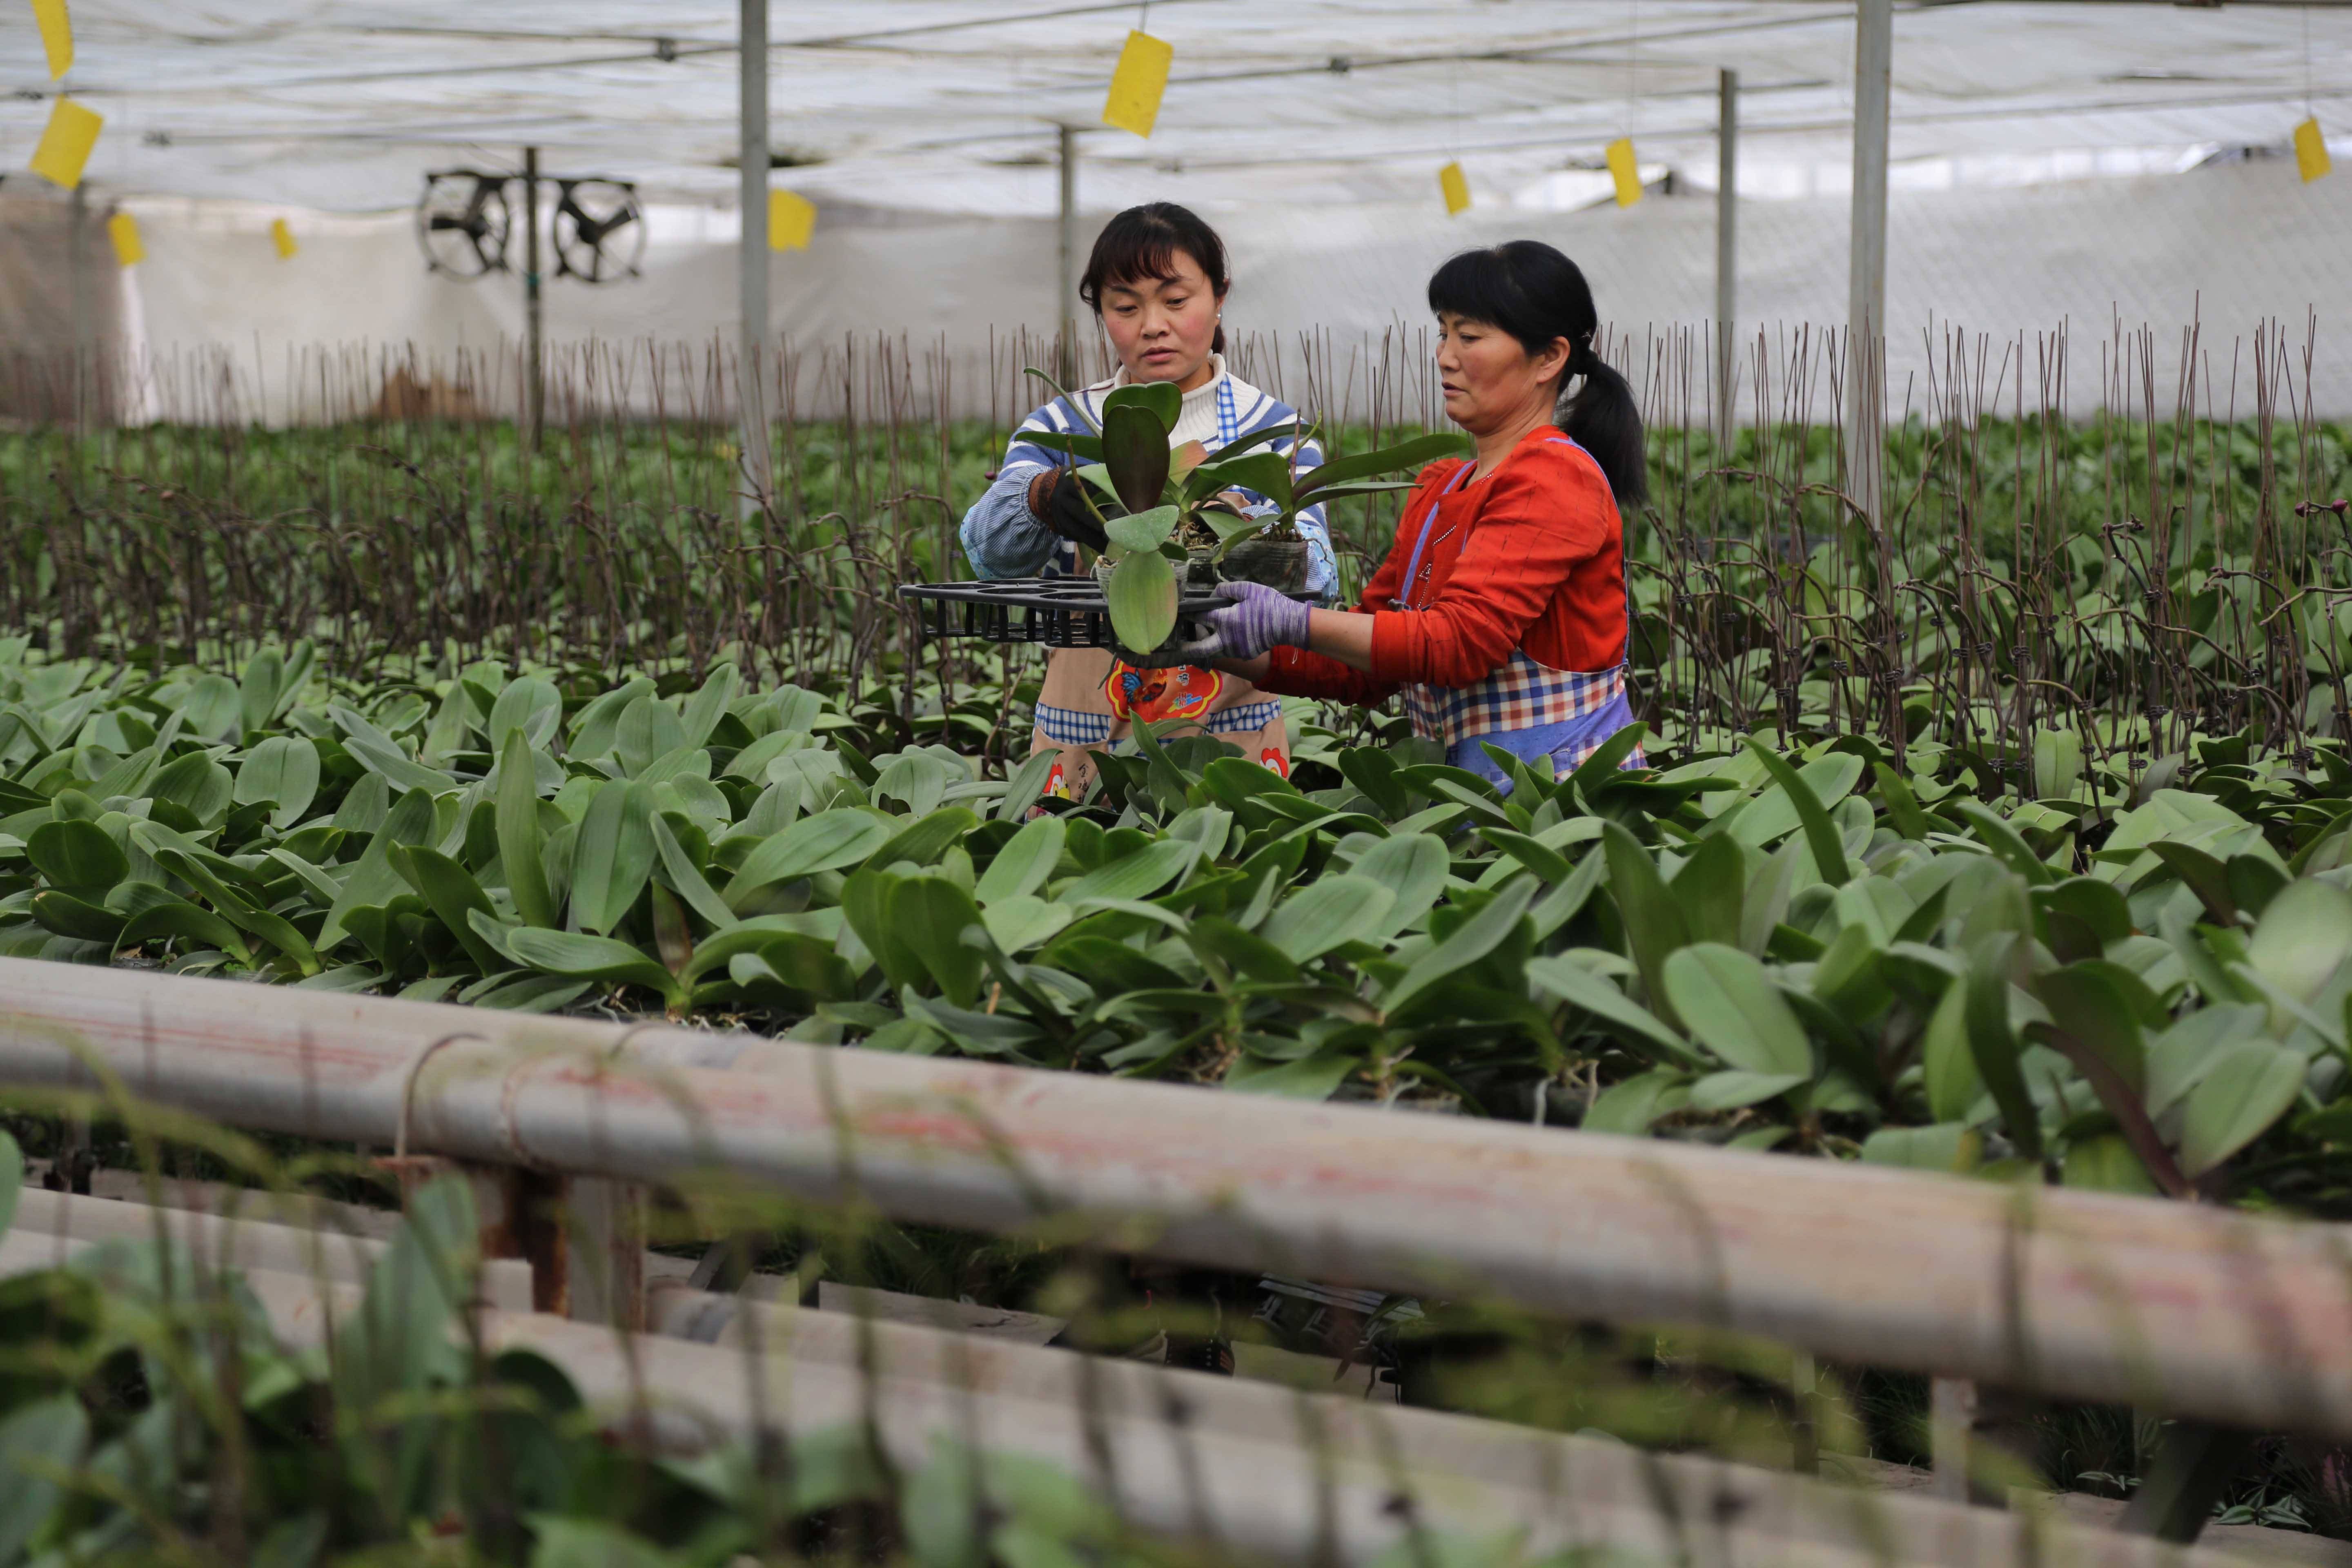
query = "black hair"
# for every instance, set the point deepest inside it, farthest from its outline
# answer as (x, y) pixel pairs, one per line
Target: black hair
(1528, 289)
(1143, 242)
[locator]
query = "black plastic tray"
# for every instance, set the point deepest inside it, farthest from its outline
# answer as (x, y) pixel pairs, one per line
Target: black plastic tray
(1052, 612)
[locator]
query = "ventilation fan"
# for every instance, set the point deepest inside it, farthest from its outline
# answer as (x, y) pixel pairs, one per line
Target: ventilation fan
(600, 234)
(463, 223)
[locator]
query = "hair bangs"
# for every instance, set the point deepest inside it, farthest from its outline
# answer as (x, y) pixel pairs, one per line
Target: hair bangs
(1478, 285)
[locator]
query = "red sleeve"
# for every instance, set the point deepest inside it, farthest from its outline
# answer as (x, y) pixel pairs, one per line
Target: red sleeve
(1297, 672)
(1546, 511)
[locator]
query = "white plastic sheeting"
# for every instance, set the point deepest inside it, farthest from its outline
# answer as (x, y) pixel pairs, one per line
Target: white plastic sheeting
(2228, 245)
(944, 106)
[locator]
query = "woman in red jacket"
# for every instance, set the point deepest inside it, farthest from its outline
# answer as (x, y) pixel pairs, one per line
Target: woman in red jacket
(1500, 612)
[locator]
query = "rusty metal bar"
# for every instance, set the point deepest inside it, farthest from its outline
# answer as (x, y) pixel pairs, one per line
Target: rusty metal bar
(2189, 1310)
(1259, 1469)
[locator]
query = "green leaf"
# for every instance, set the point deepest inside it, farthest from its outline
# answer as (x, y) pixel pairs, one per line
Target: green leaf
(283, 769)
(1729, 1003)
(1141, 595)
(614, 854)
(708, 704)
(1328, 912)
(2303, 937)
(687, 880)
(1136, 876)
(1135, 450)
(1653, 921)
(39, 1444)
(519, 830)
(1144, 529)
(1993, 1045)
(2088, 1005)
(527, 706)
(1308, 1077)
(1629, 1107)
(1946, 1061)
(2250, 1086)
(582, 957)
(925, 840)
(77, 853)
(258, 689)
(1630, 1021)
(1477, 937)
(69, 916)
(930, 915)
(1902, 805)
(1023, 920)
(1711, 890)
(451, 892)
(198, 784)
(186, 922)
(1025, 863)
(373, 882)
(1415, 453)
(1820, 833)
(825, 842)
(1162, 400)
(1734, 1090)
(1948, 1146)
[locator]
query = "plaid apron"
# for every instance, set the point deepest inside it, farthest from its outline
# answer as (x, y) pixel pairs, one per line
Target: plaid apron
(1520, 694)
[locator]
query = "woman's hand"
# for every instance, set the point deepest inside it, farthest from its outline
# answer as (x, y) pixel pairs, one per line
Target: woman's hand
(1057, 498)
(1255, 618)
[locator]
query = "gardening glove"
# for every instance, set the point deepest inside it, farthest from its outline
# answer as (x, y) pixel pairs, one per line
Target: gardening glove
(1057, 498)
(1256, 619)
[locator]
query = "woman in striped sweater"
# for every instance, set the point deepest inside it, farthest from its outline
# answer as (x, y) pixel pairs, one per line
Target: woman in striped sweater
(1500, 613)
(1157, 283)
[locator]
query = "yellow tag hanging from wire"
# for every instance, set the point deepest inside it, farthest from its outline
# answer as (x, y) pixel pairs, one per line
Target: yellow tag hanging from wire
(65, 145)
(1455, 186)
(2311, 151)
(792, 219)
(282, 237)
(123, 230)
(1137, 84)
(57, 35)
(1624, 170)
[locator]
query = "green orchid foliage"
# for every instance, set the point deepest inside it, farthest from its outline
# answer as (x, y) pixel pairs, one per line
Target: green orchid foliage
(1149, 508)
(2137, 981)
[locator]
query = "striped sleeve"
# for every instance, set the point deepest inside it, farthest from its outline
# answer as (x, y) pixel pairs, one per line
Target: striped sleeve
(1000, 537)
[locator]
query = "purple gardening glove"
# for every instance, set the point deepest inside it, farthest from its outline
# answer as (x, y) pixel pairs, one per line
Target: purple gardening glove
(1258, 618)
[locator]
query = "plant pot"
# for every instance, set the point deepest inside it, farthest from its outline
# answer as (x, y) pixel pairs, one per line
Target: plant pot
(1200, 571)
(1276, 562)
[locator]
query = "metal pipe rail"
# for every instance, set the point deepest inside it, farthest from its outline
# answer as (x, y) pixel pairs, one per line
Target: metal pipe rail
(1253, 1468)
(2177, 1308)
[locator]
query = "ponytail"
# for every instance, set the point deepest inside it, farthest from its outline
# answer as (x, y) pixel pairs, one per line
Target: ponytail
(1528, 289)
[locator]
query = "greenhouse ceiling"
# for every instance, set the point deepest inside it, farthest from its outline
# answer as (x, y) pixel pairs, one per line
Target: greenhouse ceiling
(951, 105)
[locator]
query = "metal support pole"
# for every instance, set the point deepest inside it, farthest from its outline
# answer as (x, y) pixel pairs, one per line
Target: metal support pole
(1726, 248)
(534, 355)
(1065, 304)
(753, 278)
(1866, 402)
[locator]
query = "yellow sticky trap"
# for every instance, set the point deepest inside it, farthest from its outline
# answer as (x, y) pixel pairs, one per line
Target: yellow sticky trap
(65, 145)
(792, 219)
(282, 237)
(57, 35)
(1624, 170)
(1456, 186)
(2311, 151)
(1136, 85)
(123, 230)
